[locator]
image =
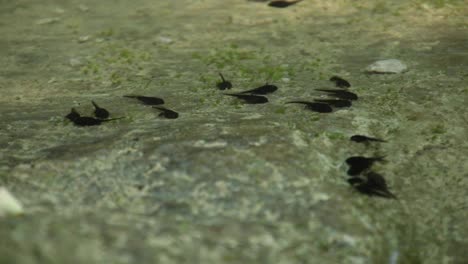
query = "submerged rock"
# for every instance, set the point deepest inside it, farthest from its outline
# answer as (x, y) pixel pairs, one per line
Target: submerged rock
(9, 205)
(387, 66)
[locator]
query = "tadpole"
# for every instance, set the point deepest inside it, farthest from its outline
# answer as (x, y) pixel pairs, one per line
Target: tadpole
(91, 121)
(283, 4)
(147, 100)
(358, 164)
(262, 90)
(365, 139)
(315, 107)
(72, 115)
(79, 120)
(167, 113)
(335, 102)
(99, 112)
(340, 82)
(251, 99)
(372, 184)
(223, 85)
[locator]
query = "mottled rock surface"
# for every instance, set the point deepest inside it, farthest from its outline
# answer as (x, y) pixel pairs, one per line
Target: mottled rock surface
(228, 182)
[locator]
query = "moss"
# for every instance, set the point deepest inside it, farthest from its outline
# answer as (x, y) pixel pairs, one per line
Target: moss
(116, 64)
(438, 129)
(280, 110)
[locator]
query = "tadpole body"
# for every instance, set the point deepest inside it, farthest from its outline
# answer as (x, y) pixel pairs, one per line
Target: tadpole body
(282, 3)
(364, 139)
(372, 184)
(223, 85)
(340, 103)
(251, 99)
(358, 164)
(100, 112)
(167, 113)
(340, 82)
(262, 90)
(147, 100)
(72, 115)
(313, 106)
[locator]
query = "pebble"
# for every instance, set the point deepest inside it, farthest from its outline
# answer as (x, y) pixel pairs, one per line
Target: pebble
(387, 66)
(83, 8)
(83, 39)
(75, 62)
(49, 20)
(164, 40)
(9, 205)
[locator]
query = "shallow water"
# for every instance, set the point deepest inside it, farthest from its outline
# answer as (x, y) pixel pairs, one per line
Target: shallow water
(228, 182)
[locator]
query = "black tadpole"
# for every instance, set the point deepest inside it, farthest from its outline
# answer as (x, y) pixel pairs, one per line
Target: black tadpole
(365, 139)
(342, 94)
(147, 100)
(78, 120)
(99, 112)
(262, 90)
(358, 164)
(340, 82)
(282, 4)
(251, 99)
(72, 115)
(315, 107)
(335, 102)
(169, 114)
(223, 85)
(373, 184)
(91, 121)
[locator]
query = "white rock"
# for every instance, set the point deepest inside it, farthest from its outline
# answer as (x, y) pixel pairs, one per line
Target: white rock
(75, 62)
(387, 66)
(59, 10)
(9, 205)
(83, 39)
(164, 40)
(49, 20)
(83, 8)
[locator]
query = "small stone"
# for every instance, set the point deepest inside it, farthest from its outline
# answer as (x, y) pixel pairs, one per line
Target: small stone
(49, 20)
(83, 39)
(387, 66)
(59, 10)
(83, 8)
(9, 205)
(75, 62)
(164, 40)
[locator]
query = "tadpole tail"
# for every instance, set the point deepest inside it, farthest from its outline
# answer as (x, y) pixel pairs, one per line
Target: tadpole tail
(160, 108)
(298, 102)
(112, 119)
(237, 95)
(95, 105)
(222, 77)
